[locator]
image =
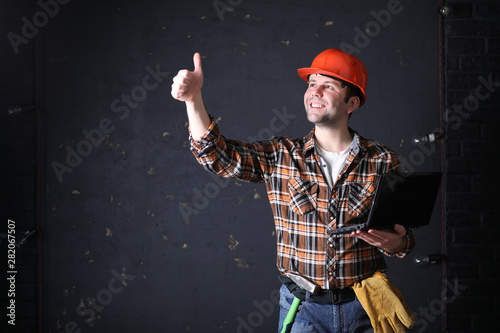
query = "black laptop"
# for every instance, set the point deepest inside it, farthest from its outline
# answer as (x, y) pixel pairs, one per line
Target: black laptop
(407, 199)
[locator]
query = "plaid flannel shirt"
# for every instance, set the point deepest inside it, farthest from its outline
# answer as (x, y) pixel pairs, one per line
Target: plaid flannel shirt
(304, 206)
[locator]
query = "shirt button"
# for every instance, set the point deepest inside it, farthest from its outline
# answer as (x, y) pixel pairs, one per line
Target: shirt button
(331, 218)
(331, 244)
(330, 273)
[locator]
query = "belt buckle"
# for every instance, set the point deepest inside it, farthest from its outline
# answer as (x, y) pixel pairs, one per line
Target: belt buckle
(335, 297)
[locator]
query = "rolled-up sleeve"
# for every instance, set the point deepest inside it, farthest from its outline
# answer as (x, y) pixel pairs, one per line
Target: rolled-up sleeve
(410, 245)
(231, 158)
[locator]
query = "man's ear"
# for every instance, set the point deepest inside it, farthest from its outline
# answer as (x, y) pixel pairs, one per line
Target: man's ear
(352, 104)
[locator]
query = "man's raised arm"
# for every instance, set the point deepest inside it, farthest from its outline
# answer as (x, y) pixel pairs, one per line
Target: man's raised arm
(186, 87)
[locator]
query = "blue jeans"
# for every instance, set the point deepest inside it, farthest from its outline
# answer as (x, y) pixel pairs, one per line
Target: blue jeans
(348, 317)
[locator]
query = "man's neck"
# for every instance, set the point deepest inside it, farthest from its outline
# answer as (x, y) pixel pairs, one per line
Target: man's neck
(333, 139)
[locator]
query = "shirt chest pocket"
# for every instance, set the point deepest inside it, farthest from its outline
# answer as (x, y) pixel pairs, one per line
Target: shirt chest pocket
(360, 197)
(303, 194)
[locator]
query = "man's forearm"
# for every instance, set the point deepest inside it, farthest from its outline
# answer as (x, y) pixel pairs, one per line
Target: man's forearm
(199, 120)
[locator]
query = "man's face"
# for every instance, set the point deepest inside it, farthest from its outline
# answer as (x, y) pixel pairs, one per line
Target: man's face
(324, 100)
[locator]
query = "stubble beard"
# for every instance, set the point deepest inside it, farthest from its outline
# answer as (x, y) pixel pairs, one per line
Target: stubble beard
(317, 119)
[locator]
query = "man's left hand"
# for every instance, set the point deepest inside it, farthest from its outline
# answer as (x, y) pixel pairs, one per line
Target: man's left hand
(390, 240)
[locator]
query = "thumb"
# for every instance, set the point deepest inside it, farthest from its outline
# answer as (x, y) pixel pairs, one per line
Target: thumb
(400, 230)
(197, 62)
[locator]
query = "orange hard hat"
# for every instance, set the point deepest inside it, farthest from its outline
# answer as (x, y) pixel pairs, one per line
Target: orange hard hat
(341, 65)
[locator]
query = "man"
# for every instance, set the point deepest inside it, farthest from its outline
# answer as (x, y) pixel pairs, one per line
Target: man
(321, 182)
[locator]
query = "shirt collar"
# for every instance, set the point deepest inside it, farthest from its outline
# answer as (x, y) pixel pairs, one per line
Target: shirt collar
(310, 143)
(356, 142)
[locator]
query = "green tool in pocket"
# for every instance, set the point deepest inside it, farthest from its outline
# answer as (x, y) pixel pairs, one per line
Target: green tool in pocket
(290, 317)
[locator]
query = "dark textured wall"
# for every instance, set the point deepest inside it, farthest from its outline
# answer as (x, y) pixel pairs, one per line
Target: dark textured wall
(472, 101)
(19, 157)
(129, 197)
(136, 237)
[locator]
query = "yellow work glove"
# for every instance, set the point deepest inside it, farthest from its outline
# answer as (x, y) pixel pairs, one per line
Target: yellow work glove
(384, 304)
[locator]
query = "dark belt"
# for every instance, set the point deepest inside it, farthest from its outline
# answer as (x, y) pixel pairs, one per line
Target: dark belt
(330, 296)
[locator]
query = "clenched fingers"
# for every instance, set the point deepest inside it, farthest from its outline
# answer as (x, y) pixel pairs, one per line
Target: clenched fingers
(181, 84)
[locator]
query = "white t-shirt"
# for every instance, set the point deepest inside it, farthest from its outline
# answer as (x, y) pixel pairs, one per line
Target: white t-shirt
(333, 162)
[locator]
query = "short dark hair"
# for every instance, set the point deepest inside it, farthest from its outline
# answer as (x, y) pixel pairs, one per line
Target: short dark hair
(353, 91)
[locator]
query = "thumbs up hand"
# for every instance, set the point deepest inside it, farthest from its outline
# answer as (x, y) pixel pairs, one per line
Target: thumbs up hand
(187, 84)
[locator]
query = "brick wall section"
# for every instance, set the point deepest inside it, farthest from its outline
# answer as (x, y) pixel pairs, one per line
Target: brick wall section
(471, 93)
(18, 166)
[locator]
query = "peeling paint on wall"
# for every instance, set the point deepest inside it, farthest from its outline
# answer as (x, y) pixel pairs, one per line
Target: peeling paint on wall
(249, 18)
(124, 277)
(233, 243)
(67, 292)
(241, 263)
(402, 59)
(170, 196)
(116, 147)
(165, 136)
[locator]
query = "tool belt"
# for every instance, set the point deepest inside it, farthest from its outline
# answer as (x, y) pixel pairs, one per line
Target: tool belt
(331, 296)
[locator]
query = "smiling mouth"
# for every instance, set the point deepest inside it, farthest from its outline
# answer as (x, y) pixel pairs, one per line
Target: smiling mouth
(316, 105)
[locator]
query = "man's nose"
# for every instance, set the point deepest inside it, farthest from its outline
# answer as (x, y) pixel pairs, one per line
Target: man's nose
(317, 92)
